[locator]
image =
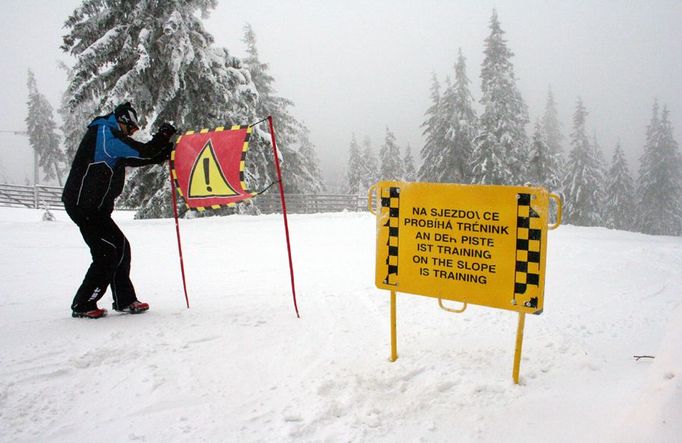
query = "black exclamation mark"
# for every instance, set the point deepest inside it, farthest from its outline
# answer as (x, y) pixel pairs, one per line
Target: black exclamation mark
(208, 185)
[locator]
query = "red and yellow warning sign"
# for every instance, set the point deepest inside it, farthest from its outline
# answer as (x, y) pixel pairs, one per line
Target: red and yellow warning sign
(208, 166)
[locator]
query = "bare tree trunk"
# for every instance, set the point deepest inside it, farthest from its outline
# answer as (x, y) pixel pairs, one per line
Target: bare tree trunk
(56, 172)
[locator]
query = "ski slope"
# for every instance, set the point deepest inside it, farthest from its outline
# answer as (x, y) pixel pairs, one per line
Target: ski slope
(239, 365)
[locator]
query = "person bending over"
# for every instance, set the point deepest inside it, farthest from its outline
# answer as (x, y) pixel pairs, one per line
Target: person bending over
(96, 178)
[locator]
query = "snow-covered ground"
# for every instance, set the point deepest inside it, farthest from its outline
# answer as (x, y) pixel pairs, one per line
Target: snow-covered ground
(239, 365)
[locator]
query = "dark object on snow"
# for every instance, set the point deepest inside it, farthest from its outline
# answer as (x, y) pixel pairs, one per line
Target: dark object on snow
(637, 357)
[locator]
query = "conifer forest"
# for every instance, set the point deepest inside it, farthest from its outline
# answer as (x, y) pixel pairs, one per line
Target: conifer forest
(476, 130)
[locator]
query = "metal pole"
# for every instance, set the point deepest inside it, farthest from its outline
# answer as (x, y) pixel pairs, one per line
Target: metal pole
(284, 212)
(177, 230)
(519, 345)
(394, 339)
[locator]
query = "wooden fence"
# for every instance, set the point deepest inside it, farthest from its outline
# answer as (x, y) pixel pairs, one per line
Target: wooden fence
(43, 196)
(40, 196)
(310, 203)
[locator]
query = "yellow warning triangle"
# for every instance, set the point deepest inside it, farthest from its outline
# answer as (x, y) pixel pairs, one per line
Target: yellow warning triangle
(206, 178)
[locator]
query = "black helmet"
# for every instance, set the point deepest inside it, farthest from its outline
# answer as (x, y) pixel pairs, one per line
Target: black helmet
(126, 114)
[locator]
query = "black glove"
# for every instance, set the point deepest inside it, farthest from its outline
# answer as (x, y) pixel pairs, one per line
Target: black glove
(166, 151)
(167, 130)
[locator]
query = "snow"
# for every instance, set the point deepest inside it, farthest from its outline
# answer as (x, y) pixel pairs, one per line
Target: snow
(239, 365)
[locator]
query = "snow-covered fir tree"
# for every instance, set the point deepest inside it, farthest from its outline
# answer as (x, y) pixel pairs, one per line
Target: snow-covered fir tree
(620, 193)
(501, 146)
(370, 163)
(543, 166)
(648, 158)
(551, 126)
(42, 132)
(159, 56)
(315, 183)
(659, 186)
(583, 177)
(409, 170)
(268, 102)
(75, 118)
(432, 153)
(461, 125)
(450, 128)
(390, 160)
(354, 168)
(288, 131)
(309, 180)
(602, 168)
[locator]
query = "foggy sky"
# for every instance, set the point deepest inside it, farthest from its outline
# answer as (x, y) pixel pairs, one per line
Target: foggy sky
(359, 67)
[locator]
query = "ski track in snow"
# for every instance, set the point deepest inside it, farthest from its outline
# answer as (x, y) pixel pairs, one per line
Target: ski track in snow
(239, 365)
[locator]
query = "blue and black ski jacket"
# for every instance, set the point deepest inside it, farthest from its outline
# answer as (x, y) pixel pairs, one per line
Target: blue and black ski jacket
(98, 172)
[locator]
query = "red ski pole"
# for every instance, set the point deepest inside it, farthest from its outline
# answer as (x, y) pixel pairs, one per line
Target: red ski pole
(177, 232)
(284, 212)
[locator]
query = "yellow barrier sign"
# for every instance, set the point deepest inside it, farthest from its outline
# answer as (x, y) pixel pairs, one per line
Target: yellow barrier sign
(477, 244)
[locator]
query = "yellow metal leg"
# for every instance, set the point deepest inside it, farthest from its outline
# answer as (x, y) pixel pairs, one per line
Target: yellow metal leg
(519, 345)
(394, 345)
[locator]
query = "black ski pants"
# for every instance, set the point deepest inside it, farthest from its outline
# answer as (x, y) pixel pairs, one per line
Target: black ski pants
(110, 266)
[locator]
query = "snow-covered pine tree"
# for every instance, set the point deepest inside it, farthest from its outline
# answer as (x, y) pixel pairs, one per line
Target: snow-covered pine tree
(42, 132)
(159, 56)
(311, 164)
(646, 161)
(370, 163)
(354, 172)
(450, 128)
(287, 128)
(74, 119)
(543, 169)
(602, 168)
(659, 186)
(551, 126)
(409, 170)
(620, 193)
(449, 169)
(309, 180)
(433, 152)
(582, 180)
(461, 125)
(390, 161)
(501, 146)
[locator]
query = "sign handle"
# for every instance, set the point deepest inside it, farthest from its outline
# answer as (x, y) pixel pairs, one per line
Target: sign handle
(559, 208)
(370, 201)
(519, 345)
(394, 344)
(456, 311)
